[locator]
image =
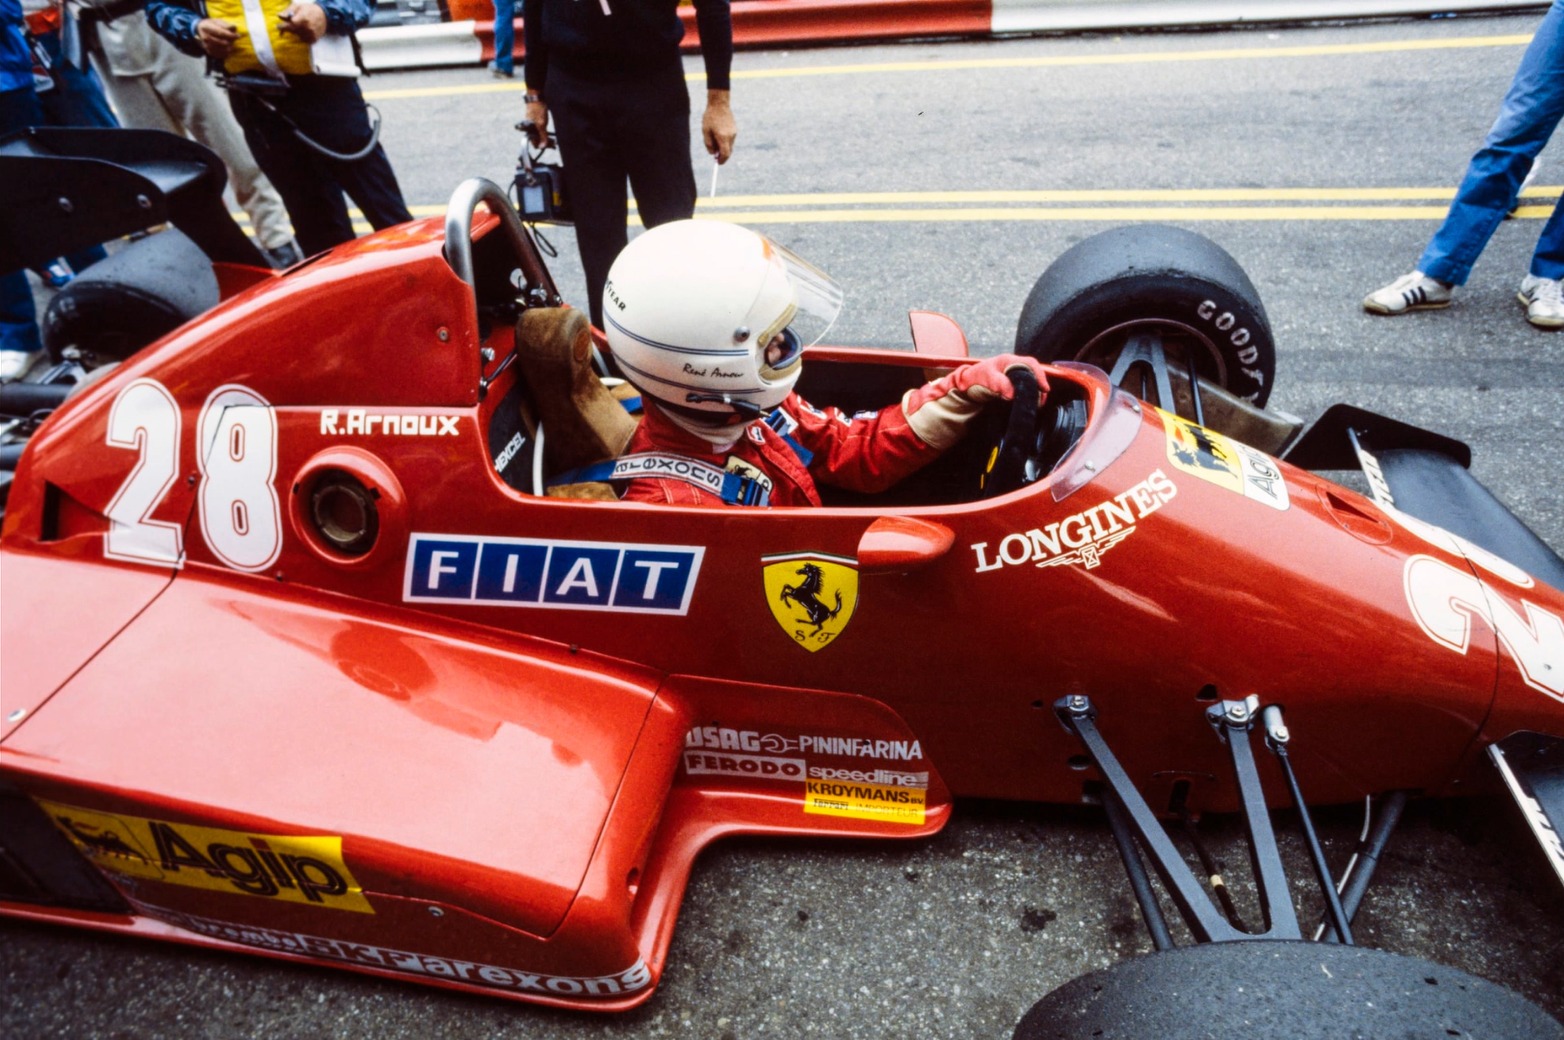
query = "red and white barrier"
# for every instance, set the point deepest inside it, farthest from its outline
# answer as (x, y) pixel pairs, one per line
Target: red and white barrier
(468, 39)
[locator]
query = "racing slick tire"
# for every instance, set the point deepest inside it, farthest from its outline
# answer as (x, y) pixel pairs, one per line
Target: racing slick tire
(1152, 278)
(123, 303)
(1242, 990)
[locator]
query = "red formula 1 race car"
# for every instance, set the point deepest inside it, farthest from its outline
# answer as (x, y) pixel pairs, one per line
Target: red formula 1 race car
(425, 717)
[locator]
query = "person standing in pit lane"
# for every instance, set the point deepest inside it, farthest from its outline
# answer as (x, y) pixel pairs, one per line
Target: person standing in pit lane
(154, 87)
(327, 109)
(1527, 118)
(610, 72)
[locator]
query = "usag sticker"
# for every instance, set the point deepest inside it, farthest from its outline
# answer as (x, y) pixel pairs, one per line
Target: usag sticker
(1223, 461)
(295, 869)
(811, 595)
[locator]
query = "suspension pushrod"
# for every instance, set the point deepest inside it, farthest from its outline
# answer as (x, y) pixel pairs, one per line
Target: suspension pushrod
(1204, 921)
(1140, 881)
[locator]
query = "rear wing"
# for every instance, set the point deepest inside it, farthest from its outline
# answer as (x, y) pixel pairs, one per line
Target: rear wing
(67, 188)
(1424, 475)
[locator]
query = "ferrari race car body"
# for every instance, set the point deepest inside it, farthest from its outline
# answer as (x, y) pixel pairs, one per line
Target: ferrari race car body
(297, 662)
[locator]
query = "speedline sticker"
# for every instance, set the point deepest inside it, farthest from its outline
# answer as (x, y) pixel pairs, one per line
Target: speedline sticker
(306, 869)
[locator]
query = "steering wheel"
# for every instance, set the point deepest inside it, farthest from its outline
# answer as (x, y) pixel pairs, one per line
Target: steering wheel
(1006, 467)
(1034, 436)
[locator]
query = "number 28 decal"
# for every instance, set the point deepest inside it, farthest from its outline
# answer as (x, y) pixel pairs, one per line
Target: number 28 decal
(236, 450)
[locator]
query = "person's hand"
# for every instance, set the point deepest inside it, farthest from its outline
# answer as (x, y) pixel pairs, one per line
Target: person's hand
(307, 21)
(938, 412)
(537, 115)
(217, 38)
(718, 127)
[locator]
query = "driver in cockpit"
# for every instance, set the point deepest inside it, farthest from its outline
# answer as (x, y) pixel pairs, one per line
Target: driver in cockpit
(708, 320)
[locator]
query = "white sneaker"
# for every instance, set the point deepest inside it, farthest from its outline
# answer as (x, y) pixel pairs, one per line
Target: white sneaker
(14, 364)
(1410, 292)
(1544, 300)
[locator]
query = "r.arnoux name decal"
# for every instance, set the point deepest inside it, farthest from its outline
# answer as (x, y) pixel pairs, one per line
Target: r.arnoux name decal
(538, 572)
(636, 977)
(360, 422)
(1083, 537)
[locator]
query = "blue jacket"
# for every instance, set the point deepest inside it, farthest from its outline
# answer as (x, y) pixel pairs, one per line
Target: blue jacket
(16, 62)
(176, 20)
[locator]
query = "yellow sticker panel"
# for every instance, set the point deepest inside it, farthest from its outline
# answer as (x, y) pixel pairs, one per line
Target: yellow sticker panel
(811, 595)
(292, 868)
(1222, 461)
(865, 801)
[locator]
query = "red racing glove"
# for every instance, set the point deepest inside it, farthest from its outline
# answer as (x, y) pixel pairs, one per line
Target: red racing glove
(938, 412)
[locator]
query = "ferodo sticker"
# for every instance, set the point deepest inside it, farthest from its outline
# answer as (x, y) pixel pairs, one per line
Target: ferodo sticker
(636, 977)
(864, 801)
(1224, 462)
(294, 869)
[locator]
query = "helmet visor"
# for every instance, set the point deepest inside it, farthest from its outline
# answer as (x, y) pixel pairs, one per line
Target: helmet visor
(818, 297)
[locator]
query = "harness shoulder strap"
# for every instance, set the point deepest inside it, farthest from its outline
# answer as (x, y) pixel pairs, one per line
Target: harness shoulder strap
(732, 488)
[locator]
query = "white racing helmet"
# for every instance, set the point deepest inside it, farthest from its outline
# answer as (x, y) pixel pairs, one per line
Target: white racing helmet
(690, 306)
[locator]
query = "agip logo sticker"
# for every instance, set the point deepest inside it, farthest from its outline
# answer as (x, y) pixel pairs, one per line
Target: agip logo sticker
(811, 595)
(294, 869)
(1225, 462)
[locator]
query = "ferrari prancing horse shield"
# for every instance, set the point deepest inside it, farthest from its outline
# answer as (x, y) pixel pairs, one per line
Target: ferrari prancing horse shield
(811, 595)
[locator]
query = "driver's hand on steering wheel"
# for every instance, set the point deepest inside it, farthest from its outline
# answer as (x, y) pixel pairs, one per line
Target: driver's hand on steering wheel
(938, 412)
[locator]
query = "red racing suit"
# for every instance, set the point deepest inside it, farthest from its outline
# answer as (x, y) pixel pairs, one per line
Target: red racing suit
(866, 452)
(777, 459)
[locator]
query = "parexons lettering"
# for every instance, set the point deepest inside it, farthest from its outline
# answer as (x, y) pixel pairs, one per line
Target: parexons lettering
(529, 572)
(636, 977)
(1081, 538)
(360, 422)
(294, 869)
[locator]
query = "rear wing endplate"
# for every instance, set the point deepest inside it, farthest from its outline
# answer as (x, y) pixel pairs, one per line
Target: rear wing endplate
(1532, 767)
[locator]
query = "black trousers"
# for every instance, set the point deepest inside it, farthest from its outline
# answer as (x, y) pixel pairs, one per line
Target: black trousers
(613, 132)
(329, 110)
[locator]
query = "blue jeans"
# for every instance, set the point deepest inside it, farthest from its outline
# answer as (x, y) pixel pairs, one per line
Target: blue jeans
(504, 35)
(1527, 117)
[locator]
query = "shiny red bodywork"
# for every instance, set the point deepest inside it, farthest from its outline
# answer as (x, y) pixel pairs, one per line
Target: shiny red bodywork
(518, 792)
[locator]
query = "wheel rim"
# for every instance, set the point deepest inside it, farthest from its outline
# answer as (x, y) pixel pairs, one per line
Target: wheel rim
(1180, 340)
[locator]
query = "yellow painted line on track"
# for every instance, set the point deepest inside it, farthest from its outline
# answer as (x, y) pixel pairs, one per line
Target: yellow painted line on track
(1053, 61)
(1079, 214)
(874, 208)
